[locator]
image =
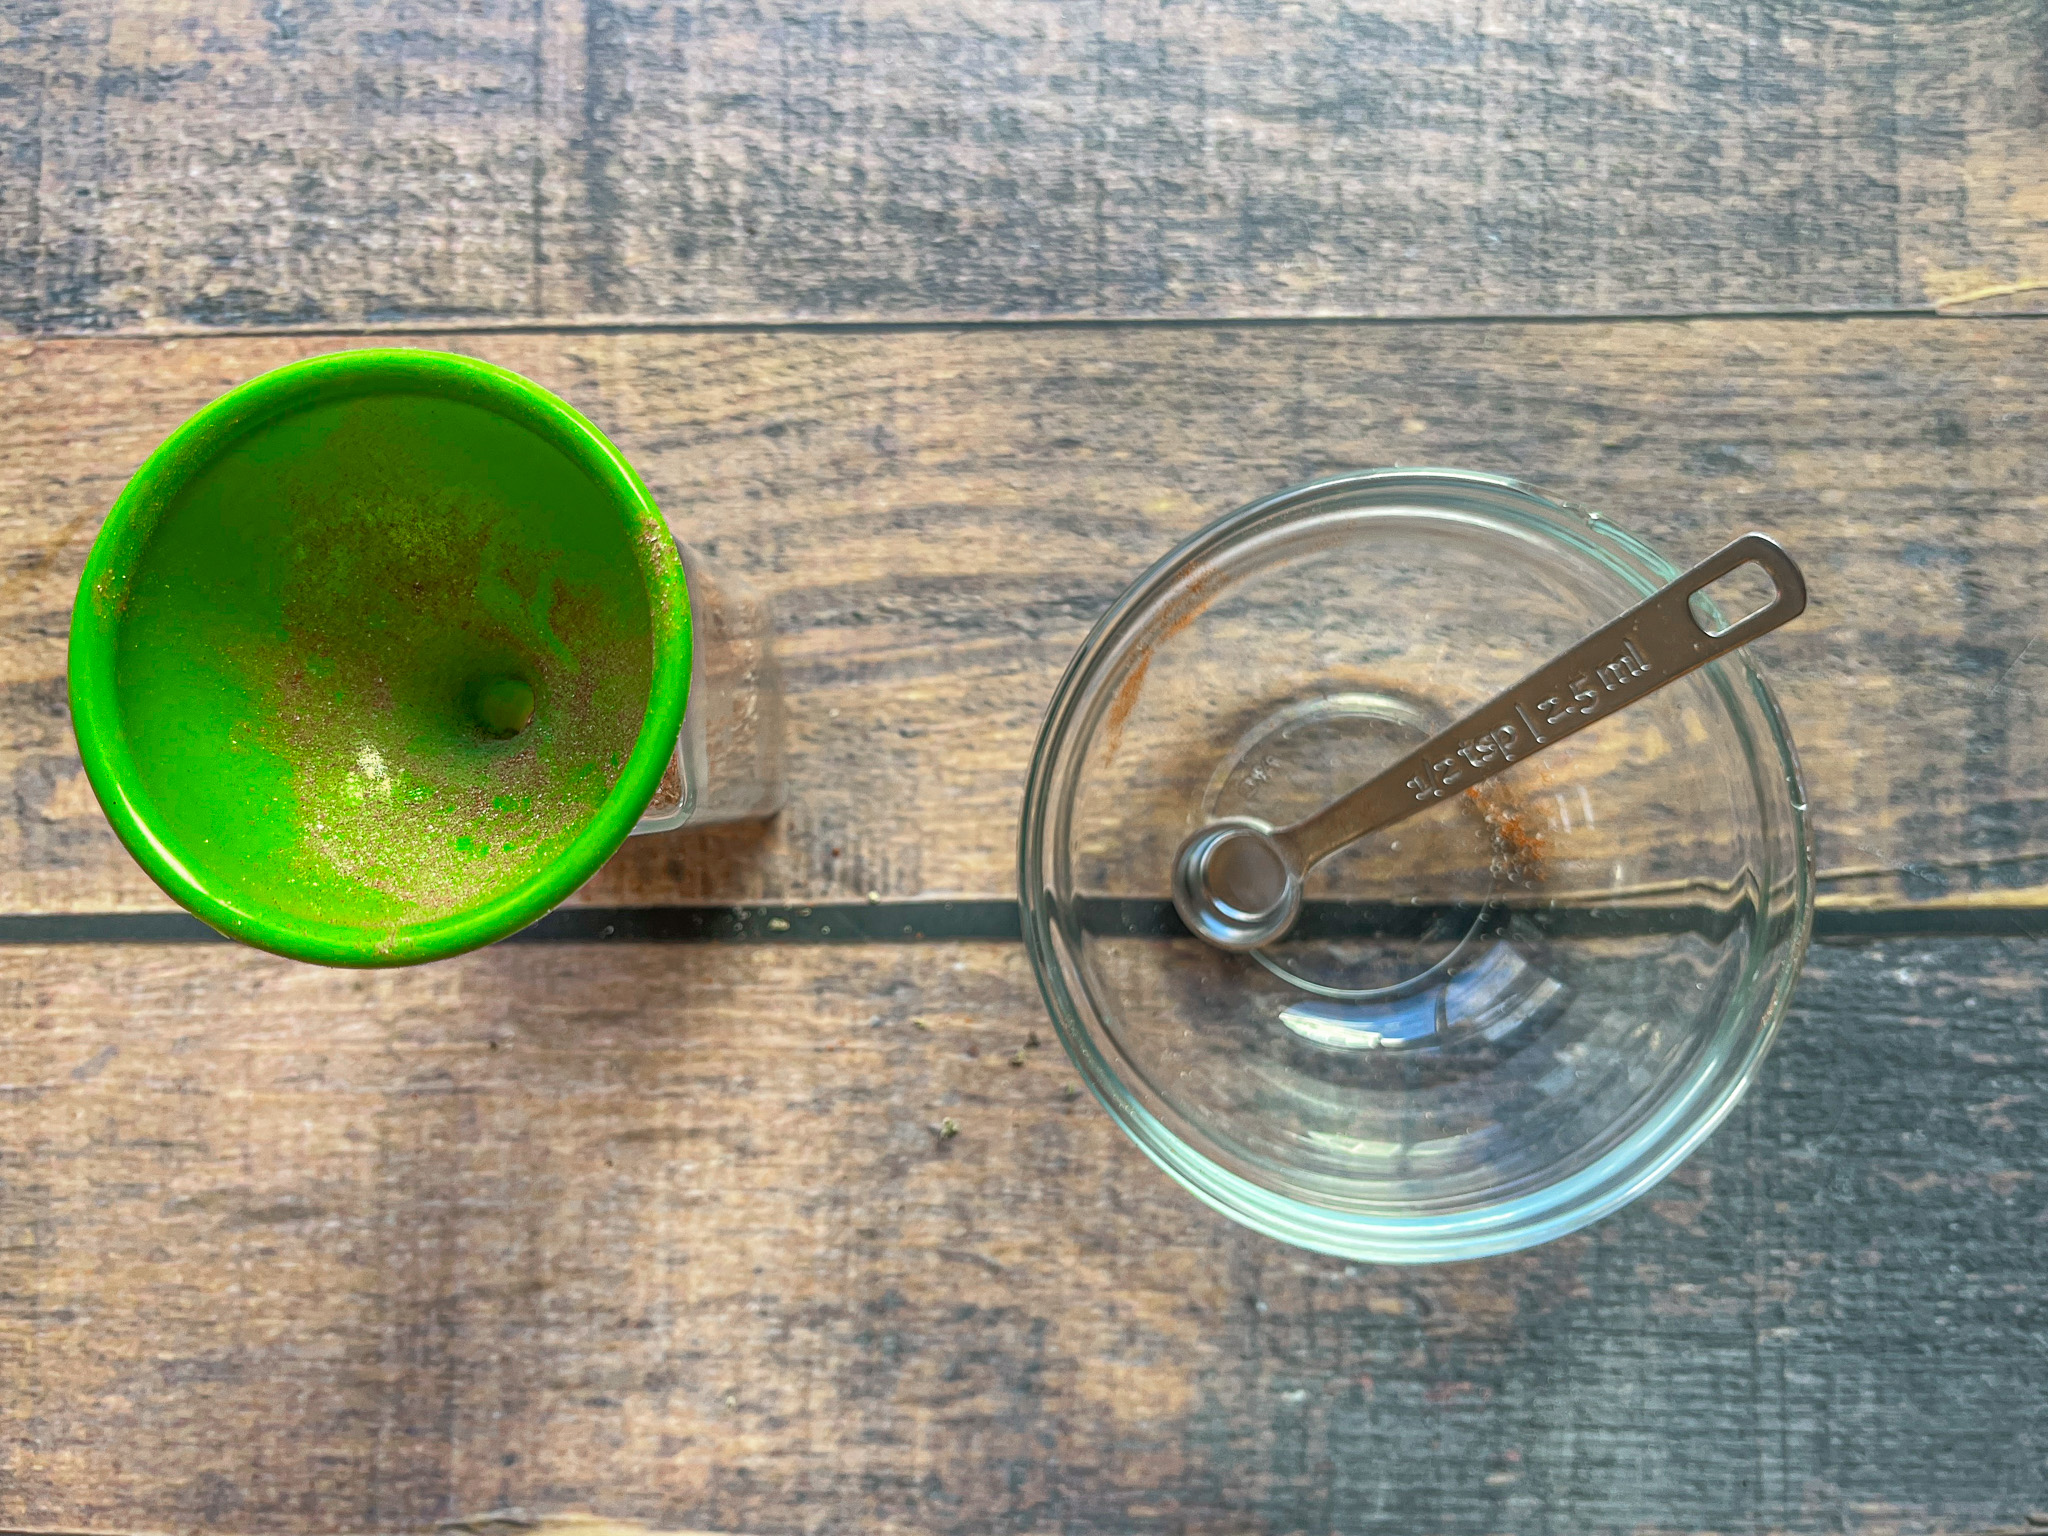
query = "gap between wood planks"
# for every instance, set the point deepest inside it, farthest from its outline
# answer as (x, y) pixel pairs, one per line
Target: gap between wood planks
(507, 1522)
(992, 920)
(519, 1523)
(2015, 301)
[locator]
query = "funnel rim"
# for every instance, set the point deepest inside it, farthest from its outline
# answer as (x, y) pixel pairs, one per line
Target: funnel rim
(197, 443)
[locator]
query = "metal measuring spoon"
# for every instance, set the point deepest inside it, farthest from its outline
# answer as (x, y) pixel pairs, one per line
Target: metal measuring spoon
(1237, 882)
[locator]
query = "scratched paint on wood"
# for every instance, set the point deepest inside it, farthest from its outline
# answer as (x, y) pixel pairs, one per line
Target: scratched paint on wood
(938, 518)
(668, 1235)
(529, 160)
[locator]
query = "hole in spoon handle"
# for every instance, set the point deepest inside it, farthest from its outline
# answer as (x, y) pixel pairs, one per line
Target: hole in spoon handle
(1654, 643)
(1787, 603)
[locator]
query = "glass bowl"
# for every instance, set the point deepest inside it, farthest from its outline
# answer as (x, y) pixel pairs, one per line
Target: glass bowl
(1494, 1022)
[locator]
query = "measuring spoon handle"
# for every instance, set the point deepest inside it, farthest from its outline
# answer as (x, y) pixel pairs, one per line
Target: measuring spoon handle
(1654, 643)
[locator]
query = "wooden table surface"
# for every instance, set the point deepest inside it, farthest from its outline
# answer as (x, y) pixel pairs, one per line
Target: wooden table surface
(938, 320)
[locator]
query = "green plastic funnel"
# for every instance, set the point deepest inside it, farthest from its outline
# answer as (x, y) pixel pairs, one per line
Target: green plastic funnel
(379, 657)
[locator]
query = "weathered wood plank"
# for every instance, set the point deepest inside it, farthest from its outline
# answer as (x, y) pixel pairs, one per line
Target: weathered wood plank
(668, 1235)
(938, 517)
(168, 165)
